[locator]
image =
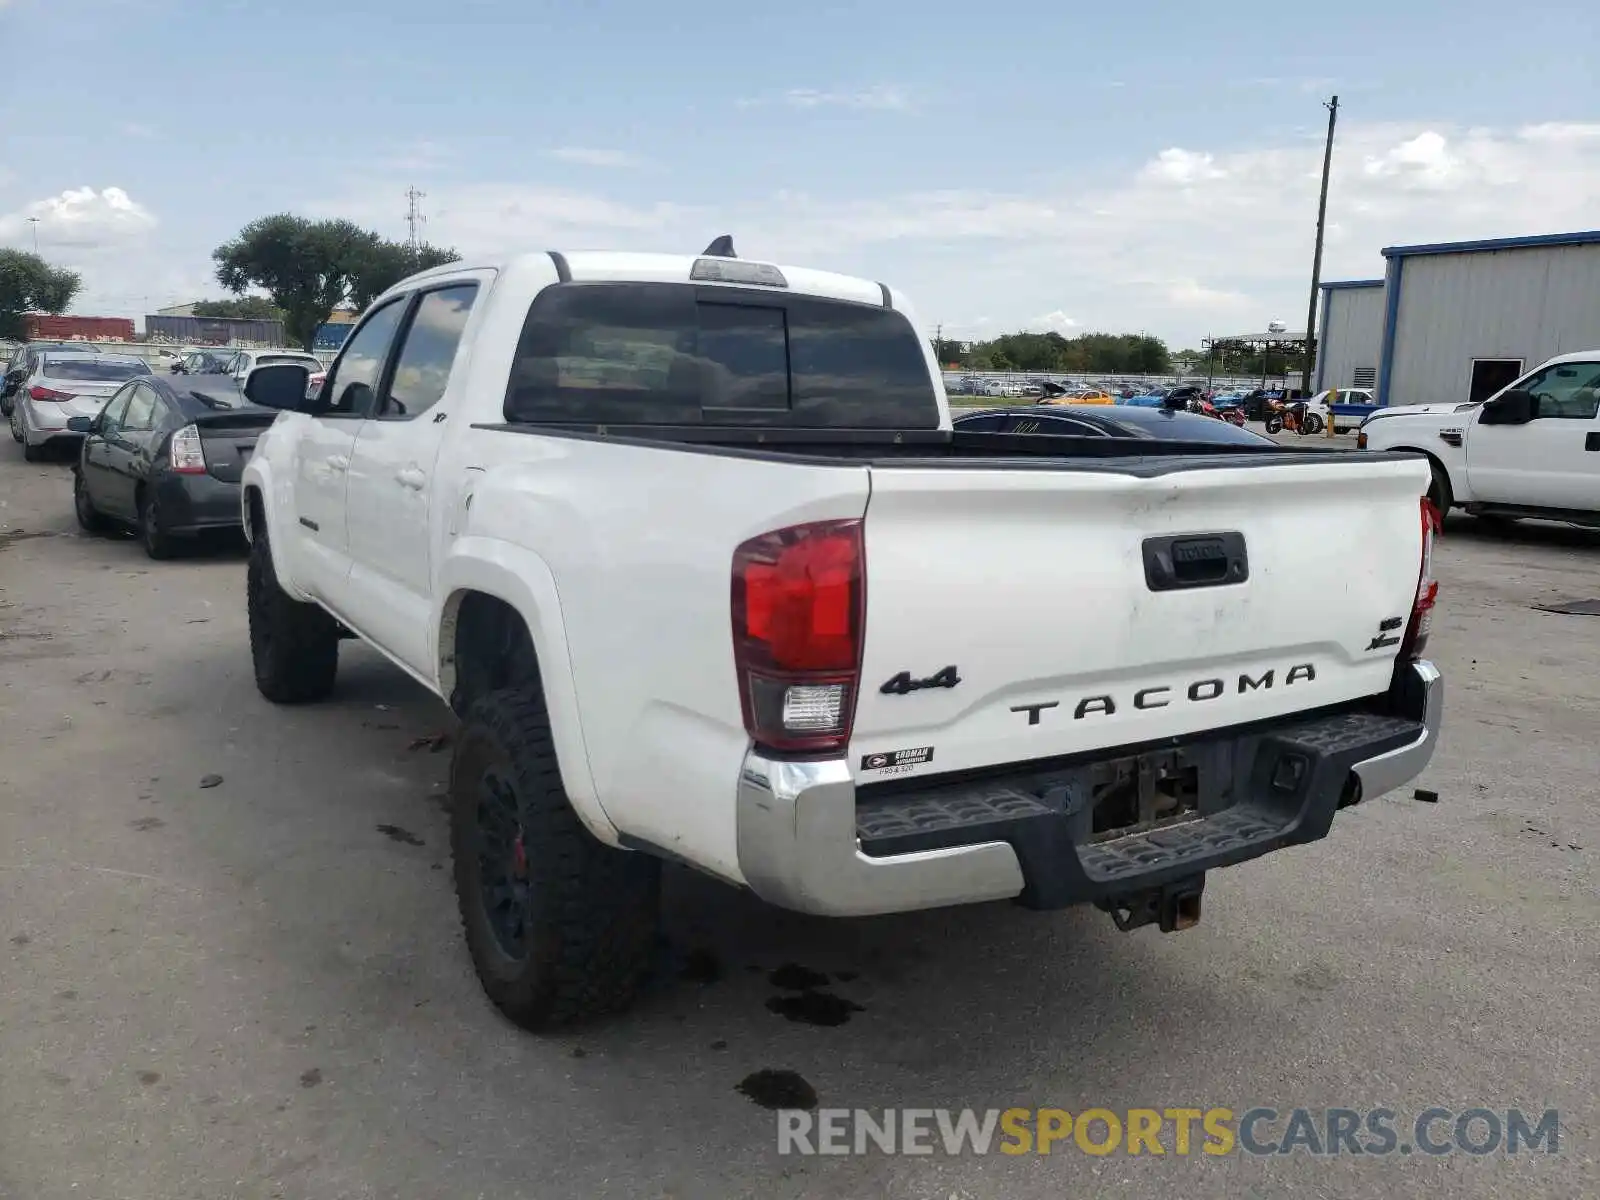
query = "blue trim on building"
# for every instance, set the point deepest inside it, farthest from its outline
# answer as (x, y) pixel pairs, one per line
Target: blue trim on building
(1588, 237)
(1391, 318)
(1351, 283)
(1322, 334)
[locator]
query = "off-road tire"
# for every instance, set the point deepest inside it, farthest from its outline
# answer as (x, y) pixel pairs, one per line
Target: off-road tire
(589, 913)
(90, 519)
(294, 647)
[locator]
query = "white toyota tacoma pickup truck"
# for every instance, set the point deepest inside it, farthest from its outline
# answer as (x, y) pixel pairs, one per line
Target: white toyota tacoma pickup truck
(689, 545)
(1530, 450)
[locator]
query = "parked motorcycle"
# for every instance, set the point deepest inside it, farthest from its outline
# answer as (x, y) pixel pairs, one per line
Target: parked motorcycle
(1295, 417)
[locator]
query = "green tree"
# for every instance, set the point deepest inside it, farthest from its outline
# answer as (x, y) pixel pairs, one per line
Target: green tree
(309, 268)
(1097, 353)
(29, 284)
(384, 264)
(247, 308)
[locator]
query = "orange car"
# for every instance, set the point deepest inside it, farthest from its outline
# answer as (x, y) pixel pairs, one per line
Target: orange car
(1086, 396)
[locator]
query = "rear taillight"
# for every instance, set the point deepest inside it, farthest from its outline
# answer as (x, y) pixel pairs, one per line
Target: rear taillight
(185, 454)
(1416, 639)
(799, 606)
(43, 393)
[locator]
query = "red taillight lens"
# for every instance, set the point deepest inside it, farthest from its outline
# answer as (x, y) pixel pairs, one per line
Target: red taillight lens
(43, 393)
(799, 605)
(1416, 639)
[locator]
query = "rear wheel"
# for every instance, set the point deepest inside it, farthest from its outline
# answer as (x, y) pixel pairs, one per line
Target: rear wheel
(560, 926)
(89, 518)
(16, 427)
(1314, 423)
(294, 647)
(157, 542)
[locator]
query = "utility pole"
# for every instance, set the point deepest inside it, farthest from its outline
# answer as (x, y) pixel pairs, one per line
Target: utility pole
(34, 221)
(414, 218)
(1316, 260)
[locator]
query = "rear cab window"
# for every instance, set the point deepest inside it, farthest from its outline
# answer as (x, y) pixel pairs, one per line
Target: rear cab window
(681, 354)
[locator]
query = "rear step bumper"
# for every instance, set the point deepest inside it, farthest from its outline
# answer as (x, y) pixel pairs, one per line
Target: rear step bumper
(808, 841)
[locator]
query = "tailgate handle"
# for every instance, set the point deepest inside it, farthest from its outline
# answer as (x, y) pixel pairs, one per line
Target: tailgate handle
(1195, 560)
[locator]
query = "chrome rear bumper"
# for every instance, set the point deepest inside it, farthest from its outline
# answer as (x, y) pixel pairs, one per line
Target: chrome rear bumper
(799, 849)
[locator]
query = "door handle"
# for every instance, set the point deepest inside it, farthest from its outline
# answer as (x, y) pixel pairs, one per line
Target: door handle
(338, 462)
(411, 477)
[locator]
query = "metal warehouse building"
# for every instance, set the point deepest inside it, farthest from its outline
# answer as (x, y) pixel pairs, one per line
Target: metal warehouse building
(1350, 334)
(1463, 319)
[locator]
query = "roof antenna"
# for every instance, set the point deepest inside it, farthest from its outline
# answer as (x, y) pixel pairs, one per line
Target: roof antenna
(721, 248)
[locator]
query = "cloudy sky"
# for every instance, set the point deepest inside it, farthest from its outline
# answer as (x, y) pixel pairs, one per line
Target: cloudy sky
(1120, 166)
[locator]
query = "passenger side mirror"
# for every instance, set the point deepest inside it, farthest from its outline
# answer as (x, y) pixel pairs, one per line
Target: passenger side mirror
(280, 386)
(177, 368)
(82, 424)
(1510, 408)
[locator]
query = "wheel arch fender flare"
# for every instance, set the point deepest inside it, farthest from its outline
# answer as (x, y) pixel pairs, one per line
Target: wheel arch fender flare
(260, 482)
(1457, 485)
(519, 578)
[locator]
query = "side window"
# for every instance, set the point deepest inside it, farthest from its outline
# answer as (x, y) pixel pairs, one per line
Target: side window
(422, 367)
(979, 424)
(352, 381)
(116, 411)
(140, 409)
(1566, 391)
(1060, 426)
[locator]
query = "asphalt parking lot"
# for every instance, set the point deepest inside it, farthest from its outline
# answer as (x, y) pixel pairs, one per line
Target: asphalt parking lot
(257, 988)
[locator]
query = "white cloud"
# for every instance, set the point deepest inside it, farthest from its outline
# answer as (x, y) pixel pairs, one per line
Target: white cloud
(1053, 322)
(588, 157)
(1175, 165)
(135, 129)
(79, 217)
(1192, 242)
(883, 96)
(1191, 293)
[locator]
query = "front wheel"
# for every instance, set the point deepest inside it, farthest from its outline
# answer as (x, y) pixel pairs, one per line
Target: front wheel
(560, 927)
(1439, 490)
(294, 647)
(1274, 424)
(1313, 423)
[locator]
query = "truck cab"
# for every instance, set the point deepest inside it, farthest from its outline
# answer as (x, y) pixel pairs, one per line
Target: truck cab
(1530, 450)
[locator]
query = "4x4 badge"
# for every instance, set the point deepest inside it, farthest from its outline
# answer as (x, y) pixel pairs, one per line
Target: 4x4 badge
(903, 685)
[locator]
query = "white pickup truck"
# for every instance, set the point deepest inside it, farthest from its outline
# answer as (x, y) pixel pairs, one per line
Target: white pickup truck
(1530, 450)
(690, 546)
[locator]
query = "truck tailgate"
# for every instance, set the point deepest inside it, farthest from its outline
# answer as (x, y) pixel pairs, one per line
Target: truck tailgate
(1032, 582)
